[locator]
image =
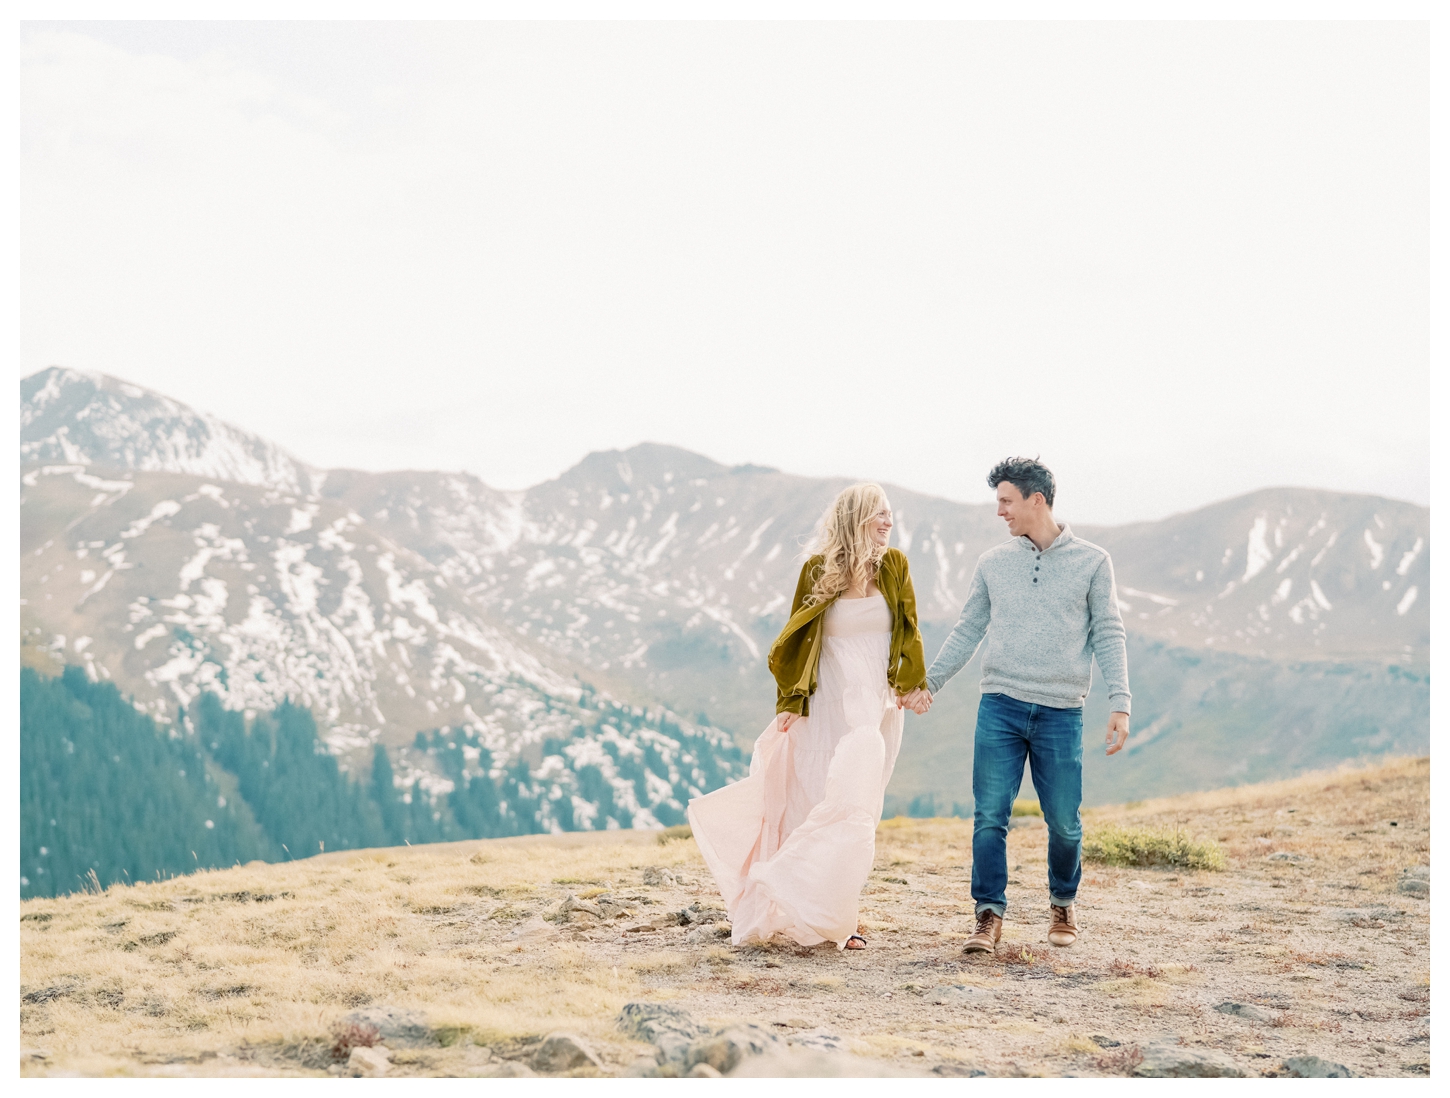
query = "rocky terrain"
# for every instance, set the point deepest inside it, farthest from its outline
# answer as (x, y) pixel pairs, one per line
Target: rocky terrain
(607, 953)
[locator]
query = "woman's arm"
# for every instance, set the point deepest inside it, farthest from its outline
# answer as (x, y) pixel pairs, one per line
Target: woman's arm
(911, 672)
(790, 705)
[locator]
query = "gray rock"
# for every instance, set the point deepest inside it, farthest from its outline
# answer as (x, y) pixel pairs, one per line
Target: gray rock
(564, 1052)
(960, 994)
(1418, 872)
(394, 1025)
(725, 1050)
(698, 913)
(1286, 856)
(1165, 1061)
(368, 1063)
(1245, 1011)
(668, 1028)
(655, 877)
(702, 1071)
(1413, 886)
(1312, 1067)
(572, 904)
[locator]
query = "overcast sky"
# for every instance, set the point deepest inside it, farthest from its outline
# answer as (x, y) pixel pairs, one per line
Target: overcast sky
(1178, 261)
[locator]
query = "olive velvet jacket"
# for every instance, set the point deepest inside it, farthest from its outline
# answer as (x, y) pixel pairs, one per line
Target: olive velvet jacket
(796, 653)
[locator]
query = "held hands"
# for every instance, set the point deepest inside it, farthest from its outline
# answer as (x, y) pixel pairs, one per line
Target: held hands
(918, 701)
(1117, 732)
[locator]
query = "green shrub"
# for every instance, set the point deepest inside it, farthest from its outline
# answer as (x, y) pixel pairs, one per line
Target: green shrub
(1026, 808)
(1142, 846)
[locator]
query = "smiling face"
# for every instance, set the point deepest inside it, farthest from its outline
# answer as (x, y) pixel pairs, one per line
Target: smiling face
(878, 527)
(1021, 514)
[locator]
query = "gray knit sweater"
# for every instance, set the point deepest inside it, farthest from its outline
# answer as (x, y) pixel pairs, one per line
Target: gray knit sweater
(1045, 616)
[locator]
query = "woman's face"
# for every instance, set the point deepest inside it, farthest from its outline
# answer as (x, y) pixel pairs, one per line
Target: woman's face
(879, 526)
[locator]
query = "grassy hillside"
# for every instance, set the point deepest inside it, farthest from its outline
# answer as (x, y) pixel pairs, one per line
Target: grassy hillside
(1317, 924)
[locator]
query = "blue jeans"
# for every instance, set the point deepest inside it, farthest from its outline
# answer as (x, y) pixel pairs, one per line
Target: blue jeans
(1010, 732)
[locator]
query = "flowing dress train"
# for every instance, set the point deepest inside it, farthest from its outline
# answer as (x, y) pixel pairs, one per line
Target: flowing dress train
(791, 845)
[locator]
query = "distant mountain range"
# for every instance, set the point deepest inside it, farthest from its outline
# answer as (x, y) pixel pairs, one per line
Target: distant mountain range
(176, 553)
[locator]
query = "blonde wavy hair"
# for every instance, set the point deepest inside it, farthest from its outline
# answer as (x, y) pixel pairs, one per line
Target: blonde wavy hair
(851, 557)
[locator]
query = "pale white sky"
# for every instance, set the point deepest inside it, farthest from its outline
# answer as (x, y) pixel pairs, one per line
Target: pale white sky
(1179, 260)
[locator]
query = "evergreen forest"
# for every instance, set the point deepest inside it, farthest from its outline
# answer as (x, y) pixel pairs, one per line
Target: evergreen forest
(109, 795)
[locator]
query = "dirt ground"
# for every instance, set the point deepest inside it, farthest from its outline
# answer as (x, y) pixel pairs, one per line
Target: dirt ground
(1316, 925)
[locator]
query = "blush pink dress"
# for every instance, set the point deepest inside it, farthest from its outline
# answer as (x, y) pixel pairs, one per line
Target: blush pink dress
(791, 845)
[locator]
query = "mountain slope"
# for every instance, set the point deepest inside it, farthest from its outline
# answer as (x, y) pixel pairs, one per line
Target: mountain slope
(1289, 573)
(669, 574)
(173, 586)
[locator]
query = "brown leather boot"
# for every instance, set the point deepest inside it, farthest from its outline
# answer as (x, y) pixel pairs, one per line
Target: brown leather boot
(1063, 931)
(988, 933)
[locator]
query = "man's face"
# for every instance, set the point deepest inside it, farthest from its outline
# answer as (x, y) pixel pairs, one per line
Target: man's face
(1018, 512)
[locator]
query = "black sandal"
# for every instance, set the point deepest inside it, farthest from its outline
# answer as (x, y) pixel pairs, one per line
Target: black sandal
(856, 938)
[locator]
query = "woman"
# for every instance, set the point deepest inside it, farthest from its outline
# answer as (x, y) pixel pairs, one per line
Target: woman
(791, 845)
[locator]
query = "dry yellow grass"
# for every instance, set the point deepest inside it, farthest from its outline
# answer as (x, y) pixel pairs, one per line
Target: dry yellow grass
(247, 970)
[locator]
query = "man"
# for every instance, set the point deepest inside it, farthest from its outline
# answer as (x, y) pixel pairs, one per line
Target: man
(1047, 605)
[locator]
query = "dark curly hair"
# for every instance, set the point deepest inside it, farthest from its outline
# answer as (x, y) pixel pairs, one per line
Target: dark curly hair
(1027, 475)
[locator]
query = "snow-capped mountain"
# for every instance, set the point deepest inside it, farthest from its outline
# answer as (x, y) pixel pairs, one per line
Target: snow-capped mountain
(666, 574)
(172, 585)
(71, 417)
(1285, 572)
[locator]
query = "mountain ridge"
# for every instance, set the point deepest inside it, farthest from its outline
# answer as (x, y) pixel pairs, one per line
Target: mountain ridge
(669, 573)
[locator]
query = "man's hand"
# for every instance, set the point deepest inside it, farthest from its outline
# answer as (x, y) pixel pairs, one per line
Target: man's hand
(1117, 732)
(918, 700)
(788, 719)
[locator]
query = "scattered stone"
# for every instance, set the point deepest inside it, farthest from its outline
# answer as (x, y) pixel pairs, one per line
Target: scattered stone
(793, 1023)
(569, 906)
(668, 1028)
(564, 1052)
(1312, 1067)
(960, 994)
(725, 1050)
(698, 913)
(817, 1039)
(702, 1071)
(1164, 1061)
(655, 877)
(395, 1025)
(610, 908)
(1418, 872)
(707, 932)
(1245, 1011)
(1415, 881)
(1286, 856)
(1105, 1042)
(368, 1063)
